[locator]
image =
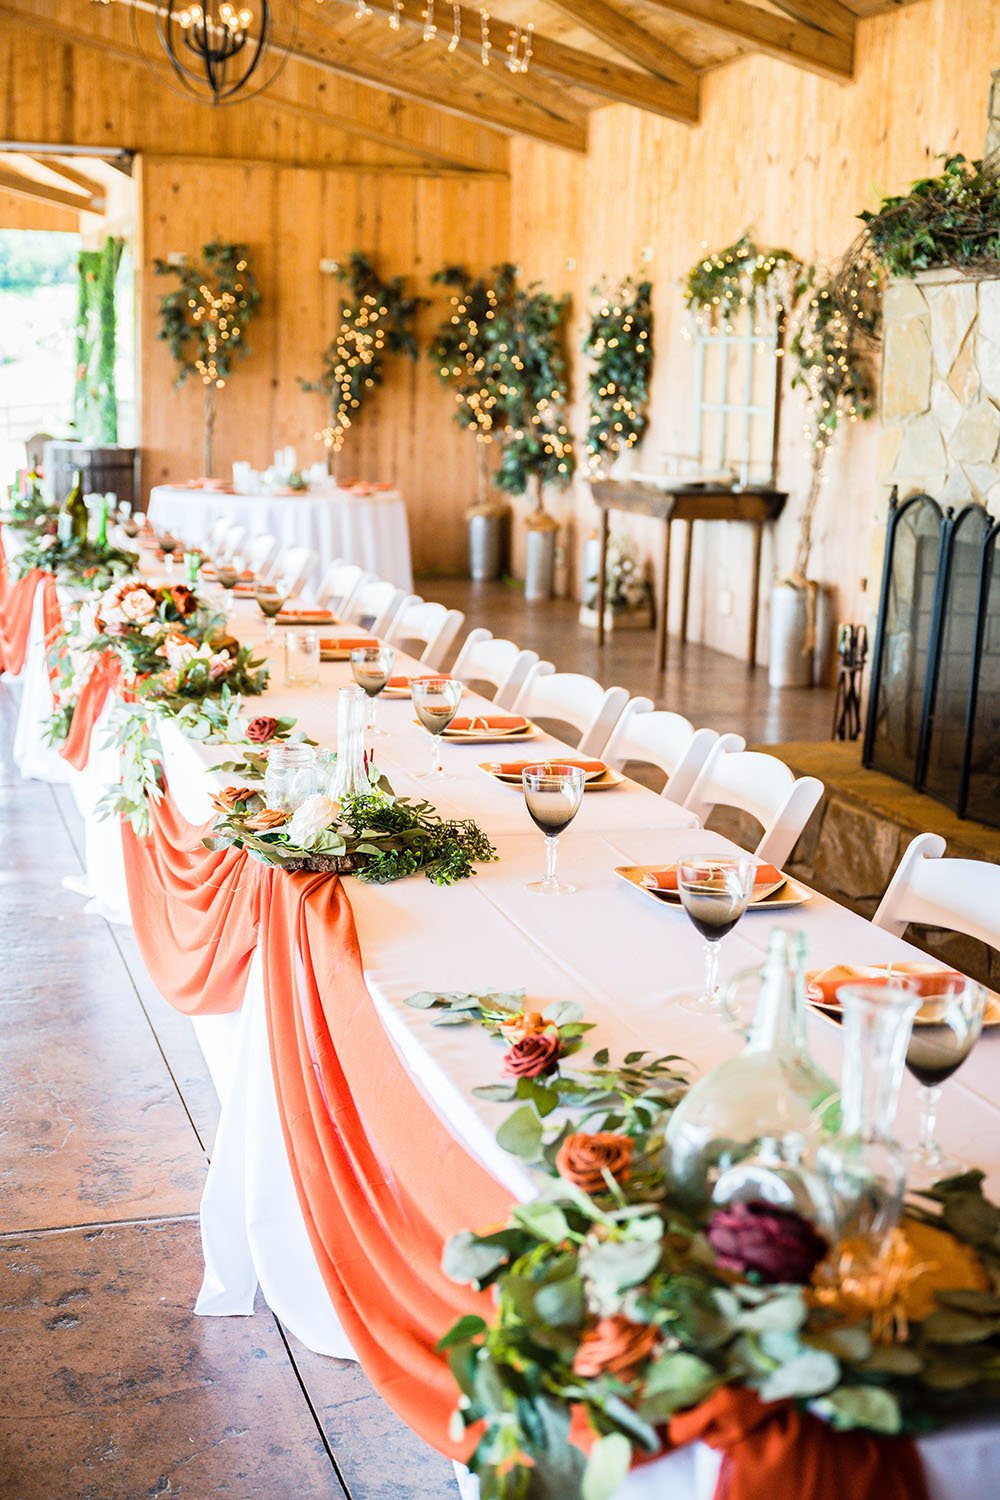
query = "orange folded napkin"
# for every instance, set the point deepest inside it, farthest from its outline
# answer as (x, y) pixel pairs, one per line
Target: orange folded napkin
(337, 643)
(305, 617)
(514, 767)
(401, 683)
(209, 572)
(489, 722)
(666, 880)
(823, 986)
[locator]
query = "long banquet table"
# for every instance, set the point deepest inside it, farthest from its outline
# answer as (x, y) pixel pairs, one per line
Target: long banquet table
(365, 525)
(609, 948)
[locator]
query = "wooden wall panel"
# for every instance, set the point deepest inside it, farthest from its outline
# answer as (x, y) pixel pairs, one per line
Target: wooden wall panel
(19, 212)
(793, 159)
(292, 218)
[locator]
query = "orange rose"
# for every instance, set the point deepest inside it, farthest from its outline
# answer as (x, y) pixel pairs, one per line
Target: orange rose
(583, 1160)
(532, 1056)
(182, 598)
(525, 1023)
(265, 820)
(226, 800)
(614, 1346)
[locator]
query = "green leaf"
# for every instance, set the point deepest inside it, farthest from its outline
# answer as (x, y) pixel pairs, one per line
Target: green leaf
(466, 1328)
(521, 1133)
(607, 1467)
(868, 1406)
(467, 1259)
(563, 1011)
(681, 1374)
(893, 1359)
(948, 1327)
(561, 1303)
(615, 1265)
(779, 1314)
(496, 1093)
(546, 1221)
(811, 1373)
(852, 1343)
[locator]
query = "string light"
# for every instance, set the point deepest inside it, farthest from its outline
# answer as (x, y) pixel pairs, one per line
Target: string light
(397, 11)
(456, 27)
(486, 45)
(519, 48)
(430, 26)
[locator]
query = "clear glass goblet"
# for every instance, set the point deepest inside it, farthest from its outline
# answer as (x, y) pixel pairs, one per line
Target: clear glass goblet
(714, 891)
(552, 795)
(945, 1030)
(435, 701)
(372, 667)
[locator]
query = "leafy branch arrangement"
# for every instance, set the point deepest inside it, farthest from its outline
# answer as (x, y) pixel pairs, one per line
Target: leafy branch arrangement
(377, 837)
(615, 1310)
(378, 317)
(76, 565)
(742, 276)
(620, 345)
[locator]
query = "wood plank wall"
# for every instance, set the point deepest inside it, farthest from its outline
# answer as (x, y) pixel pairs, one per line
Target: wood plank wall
(291, 219)
(793, 159)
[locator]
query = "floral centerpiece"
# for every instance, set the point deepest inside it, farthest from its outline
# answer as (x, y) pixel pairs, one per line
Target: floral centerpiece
(75, 565)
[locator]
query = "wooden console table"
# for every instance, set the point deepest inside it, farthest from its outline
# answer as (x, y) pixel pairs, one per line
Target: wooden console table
(645, 497)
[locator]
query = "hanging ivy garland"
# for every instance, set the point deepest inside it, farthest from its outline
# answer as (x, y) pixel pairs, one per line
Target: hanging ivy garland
(620, 345)
(377, 318)
(719, 285)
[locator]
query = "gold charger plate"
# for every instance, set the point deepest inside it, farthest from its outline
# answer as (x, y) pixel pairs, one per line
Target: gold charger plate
(788, 894)
(599, 783)
(833, 1008)
(483, 737)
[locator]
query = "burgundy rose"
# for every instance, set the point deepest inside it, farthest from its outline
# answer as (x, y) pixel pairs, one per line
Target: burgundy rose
(185, 602)
(260, 729)
(766, 1244)
(614, 1346)
(533, 1055)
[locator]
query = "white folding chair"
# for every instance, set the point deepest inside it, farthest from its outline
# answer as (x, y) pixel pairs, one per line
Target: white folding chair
(375, 605)
(261, 553)
(657, 737)
(430, 626)
(758, 784)
(232, 540)
(340, 583)
(960, 894)
(216, 533)
(295, 566)
(487, 659)
(571, 698)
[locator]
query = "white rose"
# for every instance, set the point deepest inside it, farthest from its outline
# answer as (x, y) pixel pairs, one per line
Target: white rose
(138, 606)
(311, 819)
(179, 653)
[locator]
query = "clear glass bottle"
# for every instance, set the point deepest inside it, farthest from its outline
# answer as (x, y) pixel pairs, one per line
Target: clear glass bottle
(864, 1166)
(770, 1100)
(351, 776)
(73, 523)
(291, 775)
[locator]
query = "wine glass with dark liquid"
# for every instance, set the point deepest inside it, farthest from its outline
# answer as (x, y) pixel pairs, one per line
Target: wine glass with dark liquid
(945, 1030)
(714, 891)
(270, 601)
(435, 701)
(372, 667)
(552, 795)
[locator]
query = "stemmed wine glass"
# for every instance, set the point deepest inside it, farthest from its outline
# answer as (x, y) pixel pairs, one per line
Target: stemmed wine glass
(372, 667)
(435, 700)
(552, 795)
(714, 891)
(945, 1029)
(227, 575)
(271, 601)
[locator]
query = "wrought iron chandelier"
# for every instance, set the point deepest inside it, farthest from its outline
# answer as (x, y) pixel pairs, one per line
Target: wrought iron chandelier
(220, 51)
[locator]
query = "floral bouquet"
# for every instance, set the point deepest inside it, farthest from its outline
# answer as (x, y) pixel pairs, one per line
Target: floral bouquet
(378, 837)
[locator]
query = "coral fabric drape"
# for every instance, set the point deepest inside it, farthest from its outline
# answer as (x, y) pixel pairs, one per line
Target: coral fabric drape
(16, 605)
(777, 1450)
(105, 677)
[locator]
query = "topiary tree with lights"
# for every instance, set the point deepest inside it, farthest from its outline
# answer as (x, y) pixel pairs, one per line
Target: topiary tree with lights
(531, 378)
(620, 345)
(205, 321)
(375, 320)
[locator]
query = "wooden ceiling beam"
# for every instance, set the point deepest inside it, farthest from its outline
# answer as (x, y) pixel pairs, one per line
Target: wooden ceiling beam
(30, 187)
(630, 39)
(88, 185)
(825, 15)
(551, 59)
(776, 36)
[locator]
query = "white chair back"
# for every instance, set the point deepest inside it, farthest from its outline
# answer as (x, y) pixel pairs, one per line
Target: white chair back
(295, 566)
(340, 583)
(216, 534)
(431, 626)
(261, 553)
(657, 737)
(960, 894)
(571, 698)
(758, 784)
(232, 540)
(34, 449)
(487, 659)
(375, 605)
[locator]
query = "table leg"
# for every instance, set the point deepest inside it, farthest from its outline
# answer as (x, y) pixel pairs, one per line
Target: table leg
(686, 596)
(758, 537)
(663, 619)
(602, 575)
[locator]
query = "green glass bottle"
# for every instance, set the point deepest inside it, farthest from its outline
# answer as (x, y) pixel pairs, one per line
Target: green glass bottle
(101, 529)
(74, 517)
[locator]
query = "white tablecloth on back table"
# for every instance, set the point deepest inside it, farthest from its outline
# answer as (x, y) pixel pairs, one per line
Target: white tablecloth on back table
(369, 529)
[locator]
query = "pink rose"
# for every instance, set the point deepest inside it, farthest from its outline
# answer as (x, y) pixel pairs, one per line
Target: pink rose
(138, 606)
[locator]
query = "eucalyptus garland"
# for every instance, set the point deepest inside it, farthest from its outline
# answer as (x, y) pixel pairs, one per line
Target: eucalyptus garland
(742, 276)
(376, 319)
(75, 565)
(620, 345)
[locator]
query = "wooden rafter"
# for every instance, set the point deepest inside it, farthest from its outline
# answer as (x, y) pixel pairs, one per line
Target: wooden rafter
(89, 186)
(629, 38)
(777, 36)
(825, 15)
(568, 65)
(31, 187)
(447, 157)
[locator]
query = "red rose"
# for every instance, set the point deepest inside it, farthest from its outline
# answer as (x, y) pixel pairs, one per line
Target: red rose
(614, 1346)
(583, 1159)
(768, 1244)
(260, 729)
(532, 1056)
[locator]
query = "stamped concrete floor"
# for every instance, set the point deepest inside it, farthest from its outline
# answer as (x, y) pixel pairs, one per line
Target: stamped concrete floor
(111, 1388)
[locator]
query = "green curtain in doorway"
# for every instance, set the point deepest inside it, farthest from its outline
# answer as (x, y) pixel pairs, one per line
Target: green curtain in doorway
(95, 405)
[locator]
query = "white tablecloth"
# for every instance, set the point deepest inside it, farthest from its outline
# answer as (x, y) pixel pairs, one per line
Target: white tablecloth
(369, 529)
(611, 949)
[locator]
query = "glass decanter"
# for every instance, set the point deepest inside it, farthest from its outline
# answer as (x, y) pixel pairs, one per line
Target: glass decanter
(768, 1104)
(351, 775)
(864, 1166)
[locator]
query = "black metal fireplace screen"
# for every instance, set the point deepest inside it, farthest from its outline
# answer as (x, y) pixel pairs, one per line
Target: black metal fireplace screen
(934, 703)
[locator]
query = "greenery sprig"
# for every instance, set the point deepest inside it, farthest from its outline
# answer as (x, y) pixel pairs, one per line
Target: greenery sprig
(952, 219)
(742, 276)
(619, 343)
(76, 565)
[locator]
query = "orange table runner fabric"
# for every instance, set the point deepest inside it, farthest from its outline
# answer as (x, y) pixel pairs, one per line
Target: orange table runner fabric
(17, 602)
(105, 677)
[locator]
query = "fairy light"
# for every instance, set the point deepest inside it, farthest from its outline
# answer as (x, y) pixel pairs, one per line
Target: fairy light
(456, 27)
(430, 25)
(486, 46)
(397, 11)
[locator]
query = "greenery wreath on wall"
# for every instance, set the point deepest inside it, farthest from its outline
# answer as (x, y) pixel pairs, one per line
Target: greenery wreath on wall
(741, 276)
(619, 343)
(376, 319)
(204, 321)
